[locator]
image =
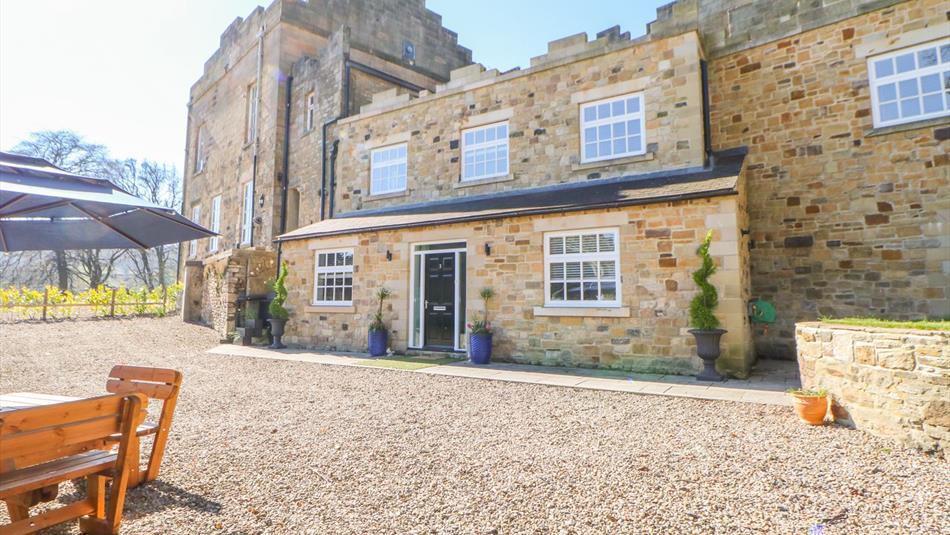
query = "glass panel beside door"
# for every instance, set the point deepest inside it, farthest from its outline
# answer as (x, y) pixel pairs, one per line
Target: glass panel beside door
(437, 307)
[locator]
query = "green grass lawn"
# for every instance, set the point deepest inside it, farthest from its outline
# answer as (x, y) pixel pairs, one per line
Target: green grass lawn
(408, 363)
(928, 325)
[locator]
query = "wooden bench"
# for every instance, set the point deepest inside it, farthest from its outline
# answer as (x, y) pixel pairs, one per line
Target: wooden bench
(41, 447)
(155, 383)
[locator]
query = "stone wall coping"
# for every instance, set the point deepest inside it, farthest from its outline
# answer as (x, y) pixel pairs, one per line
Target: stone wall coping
(609, 48)
(862, 328)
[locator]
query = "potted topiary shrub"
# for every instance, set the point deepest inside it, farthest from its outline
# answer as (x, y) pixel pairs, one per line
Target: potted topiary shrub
(480, 332)
(378, 333)
(811, 405)
(278, 314)
(705, 324)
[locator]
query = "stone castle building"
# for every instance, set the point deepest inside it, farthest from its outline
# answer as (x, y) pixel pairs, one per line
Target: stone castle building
(810, 137)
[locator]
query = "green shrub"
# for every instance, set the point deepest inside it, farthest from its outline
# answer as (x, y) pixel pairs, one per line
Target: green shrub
(276, 306)
(482, 325)
(701, 308)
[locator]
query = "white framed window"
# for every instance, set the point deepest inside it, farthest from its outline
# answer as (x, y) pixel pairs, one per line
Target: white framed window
(485, 151)
(215, 223)
(247, 217)
(196, 219)
(200, 156)
(582, 268)
(333, 277)
(250, 121)
(613, 128)
(911, 84)
(311, 109)
(388, 169)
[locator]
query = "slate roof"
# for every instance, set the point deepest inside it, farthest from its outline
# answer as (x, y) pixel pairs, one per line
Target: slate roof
(719, 179)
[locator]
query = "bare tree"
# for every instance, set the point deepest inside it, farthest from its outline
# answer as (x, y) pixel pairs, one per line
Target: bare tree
(25, 268)
(159, 184)
(93, 266)
(67, 150)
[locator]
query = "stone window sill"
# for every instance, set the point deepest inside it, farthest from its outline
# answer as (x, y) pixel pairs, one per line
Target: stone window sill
(583, 312)
(324, 309)
(611, 163)
(926, 123)
(483, 181)
(383, 196)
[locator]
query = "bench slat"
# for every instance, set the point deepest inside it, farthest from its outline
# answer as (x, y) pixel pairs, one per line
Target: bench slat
(58, 436)
(41, 475)
(141, 373)
(152, 390)
(57, 414)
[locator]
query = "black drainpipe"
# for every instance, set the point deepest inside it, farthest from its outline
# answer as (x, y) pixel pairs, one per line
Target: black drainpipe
(323, 166)
(707, 122)
(285, 177)
(333, 153)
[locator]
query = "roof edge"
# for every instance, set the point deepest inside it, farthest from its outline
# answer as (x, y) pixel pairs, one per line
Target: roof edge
(516, 213)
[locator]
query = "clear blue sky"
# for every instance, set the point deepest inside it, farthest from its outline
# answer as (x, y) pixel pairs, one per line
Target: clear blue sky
(118, 71)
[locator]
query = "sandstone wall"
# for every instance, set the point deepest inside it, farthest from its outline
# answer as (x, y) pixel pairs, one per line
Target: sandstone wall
(542, 106)
(649, 333)
(893, 383)
(846, 220)
(224, 278)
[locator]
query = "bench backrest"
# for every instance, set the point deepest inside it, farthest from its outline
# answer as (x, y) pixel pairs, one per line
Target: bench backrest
(156, 383)
(49, 432)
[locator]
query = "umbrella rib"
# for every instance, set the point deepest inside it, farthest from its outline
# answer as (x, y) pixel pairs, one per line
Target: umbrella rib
(13, 201)
(37, 208)
(185, 223)
(117, 231)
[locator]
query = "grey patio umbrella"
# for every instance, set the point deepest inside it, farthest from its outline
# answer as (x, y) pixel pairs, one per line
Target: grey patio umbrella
(43, 207)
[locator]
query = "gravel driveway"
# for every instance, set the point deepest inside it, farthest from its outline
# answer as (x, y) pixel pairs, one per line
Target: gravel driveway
(264, 446)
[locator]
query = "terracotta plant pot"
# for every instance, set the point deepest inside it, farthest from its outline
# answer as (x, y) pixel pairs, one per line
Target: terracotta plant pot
(811, 409)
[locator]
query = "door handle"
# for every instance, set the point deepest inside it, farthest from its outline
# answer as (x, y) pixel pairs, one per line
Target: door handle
(426, 304)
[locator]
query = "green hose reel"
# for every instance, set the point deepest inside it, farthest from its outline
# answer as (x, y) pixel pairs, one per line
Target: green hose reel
(761, 312)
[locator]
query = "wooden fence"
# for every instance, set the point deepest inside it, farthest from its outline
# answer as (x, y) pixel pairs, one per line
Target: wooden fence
(46, 305)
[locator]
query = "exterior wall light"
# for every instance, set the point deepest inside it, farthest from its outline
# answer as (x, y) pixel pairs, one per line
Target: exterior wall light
(389, 255)
(487, 249)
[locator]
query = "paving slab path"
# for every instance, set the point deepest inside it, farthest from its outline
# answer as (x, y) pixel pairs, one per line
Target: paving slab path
(766, 386)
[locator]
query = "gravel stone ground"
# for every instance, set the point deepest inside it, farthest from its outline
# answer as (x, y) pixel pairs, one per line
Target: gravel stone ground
(264, 446)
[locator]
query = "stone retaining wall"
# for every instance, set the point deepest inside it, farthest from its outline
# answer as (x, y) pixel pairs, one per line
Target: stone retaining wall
(893, 383)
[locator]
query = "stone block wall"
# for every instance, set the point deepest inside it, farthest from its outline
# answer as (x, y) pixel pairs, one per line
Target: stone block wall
(650, 333)
(893, 383)
(845, 220)
(542, 107)
(325, 32)
(213, 286)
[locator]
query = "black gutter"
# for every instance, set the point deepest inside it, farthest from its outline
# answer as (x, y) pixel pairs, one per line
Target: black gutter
(707, 122)
(285, 178)
(722, 192)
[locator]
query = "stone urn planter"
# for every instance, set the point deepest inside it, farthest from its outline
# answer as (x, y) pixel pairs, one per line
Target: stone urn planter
(278, 314)
(810, 405)
(479, 348)
(702, 314)
(707, 347)
(277, 331)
